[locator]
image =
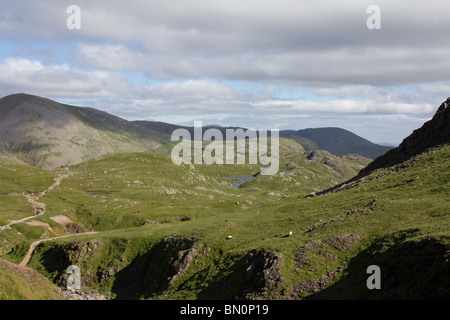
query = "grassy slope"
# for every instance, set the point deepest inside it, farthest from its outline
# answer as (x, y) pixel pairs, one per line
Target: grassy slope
(412, 203)
(19, 283)
(16, 179)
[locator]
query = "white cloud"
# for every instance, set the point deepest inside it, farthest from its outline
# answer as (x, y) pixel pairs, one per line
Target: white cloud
(31, 76)
(190, 90)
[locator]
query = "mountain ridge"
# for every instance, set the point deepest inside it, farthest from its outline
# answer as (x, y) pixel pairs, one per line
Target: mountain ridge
(339, 141)
(48, 134)
(332, 139)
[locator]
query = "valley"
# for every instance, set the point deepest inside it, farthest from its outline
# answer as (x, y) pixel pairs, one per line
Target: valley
(141, 227)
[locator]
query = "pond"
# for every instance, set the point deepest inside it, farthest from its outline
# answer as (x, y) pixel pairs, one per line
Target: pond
(241, 180)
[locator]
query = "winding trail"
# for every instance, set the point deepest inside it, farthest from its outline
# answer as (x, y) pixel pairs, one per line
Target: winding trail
(33, 199)
(22, 220)
(33, 246)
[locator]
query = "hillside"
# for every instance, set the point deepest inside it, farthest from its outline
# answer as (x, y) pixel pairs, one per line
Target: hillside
(184, 232)
(47, 134)
(19, 283)
(199, 246)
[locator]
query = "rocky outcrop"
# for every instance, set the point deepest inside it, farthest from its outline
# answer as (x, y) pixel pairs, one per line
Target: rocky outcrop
(161, 266)
(264, 279)
(180, 261)
(313, 256)
(83, 295)
(311, 286)
(433, 133)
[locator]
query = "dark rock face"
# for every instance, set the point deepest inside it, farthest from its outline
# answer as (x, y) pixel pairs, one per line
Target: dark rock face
(264, 280)
(433, 133)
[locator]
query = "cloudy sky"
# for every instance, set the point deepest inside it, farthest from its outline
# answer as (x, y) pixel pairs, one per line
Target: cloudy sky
(255, 63)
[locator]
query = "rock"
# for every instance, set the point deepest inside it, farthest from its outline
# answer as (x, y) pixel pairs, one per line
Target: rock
(83, 295)
(263, 276)
(149, 222)
(311, 286)
(432, 133)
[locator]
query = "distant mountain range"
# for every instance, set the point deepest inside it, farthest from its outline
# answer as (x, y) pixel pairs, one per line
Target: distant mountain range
(48, 134)
(339, 141)
(335, 140)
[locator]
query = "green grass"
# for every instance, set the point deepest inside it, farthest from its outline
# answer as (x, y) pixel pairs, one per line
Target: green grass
(194, 202)
(25, 284)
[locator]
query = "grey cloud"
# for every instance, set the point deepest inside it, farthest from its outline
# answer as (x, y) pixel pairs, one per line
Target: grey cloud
(371, 66)
(257, 40)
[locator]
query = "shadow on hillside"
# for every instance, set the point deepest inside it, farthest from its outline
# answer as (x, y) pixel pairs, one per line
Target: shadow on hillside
(415, 269)
(150, 274)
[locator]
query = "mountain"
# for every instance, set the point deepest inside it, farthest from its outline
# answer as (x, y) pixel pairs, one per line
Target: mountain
(433, 133)
(168, 128)
(47, 134)
(339, 141)
(335, 140)
(162, 127)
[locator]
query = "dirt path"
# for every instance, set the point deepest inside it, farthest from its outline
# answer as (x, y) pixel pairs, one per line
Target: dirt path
(22, 220)
(33, 246)
(39, 206)
(33, 199)
(56, 183)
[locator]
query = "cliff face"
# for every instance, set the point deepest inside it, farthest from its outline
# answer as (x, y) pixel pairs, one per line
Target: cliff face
(433, 132)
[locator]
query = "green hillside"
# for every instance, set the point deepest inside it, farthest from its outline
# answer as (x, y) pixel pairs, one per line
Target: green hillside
(184, 252)
(18, 283)
(184, 232)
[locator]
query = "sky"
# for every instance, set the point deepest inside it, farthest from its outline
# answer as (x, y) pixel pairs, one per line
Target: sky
(278, 64)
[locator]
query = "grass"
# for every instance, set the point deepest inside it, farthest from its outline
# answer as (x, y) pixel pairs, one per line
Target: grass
(25, 284)
(138, 200)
